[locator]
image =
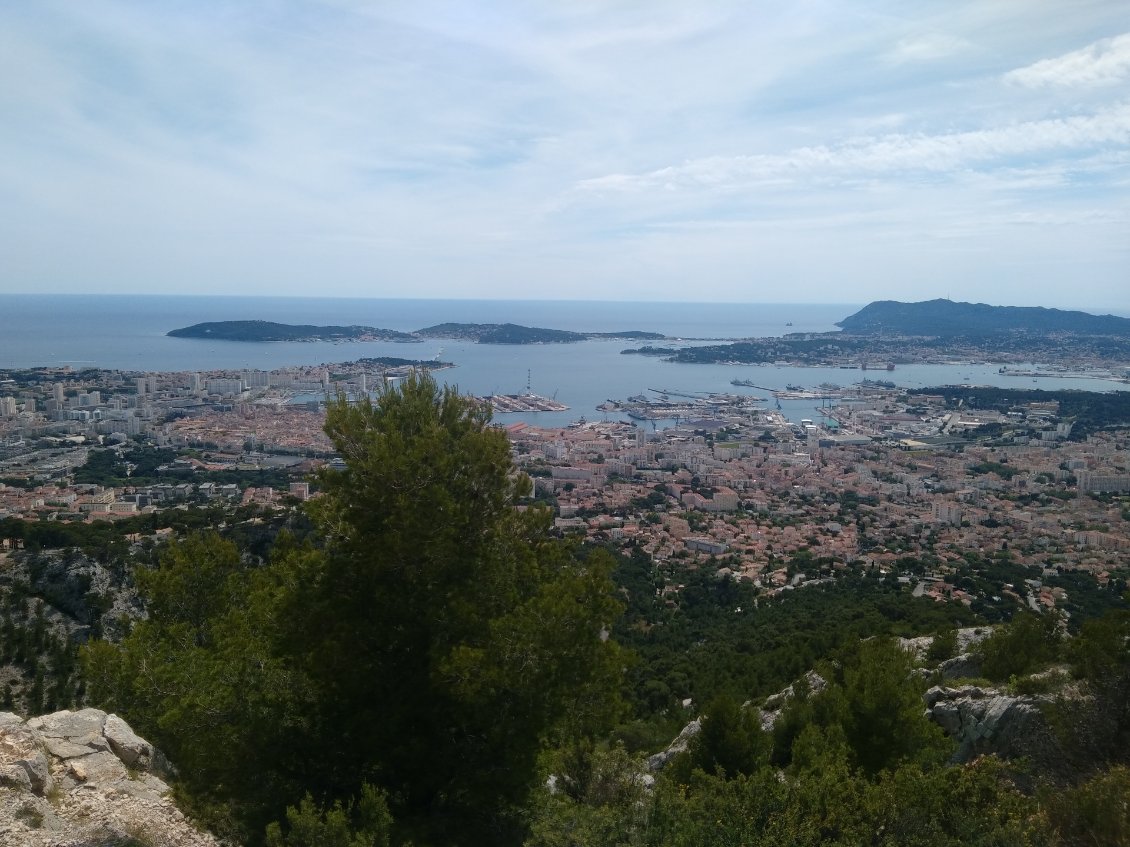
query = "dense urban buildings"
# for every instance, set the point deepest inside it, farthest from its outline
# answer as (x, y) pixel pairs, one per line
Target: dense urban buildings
(901, 485)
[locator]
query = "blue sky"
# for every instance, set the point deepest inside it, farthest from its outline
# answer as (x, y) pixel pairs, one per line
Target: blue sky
(802, 151)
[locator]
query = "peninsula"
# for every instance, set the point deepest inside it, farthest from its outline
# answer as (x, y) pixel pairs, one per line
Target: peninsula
(516, 334)
(945, 318)
(270, 331)
(887, 333)
(507, 333)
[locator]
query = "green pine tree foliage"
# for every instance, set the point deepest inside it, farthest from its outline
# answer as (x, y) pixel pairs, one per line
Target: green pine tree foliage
(871, 707)
(598, 797)
(832, 804)
(365, 823)
(944, 645)
(1025, 644)
(731, 742)
(203, 679)
(447, 636)
(1095, 813)
(1093, 722)
(864, 767)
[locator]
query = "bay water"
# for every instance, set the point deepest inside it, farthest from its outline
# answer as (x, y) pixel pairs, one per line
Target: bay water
(128, 332)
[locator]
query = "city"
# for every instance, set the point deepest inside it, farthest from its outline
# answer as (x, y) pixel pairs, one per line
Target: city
(905, 486)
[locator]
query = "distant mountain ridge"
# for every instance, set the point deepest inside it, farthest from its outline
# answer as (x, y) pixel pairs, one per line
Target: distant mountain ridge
(948, 318)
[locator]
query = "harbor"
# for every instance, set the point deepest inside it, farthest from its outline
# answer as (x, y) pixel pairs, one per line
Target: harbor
(523, 403)
(641, 407)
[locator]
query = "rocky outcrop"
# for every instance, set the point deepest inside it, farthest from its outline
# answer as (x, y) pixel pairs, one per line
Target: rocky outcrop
(768, 713)
(79, 591)
(985, 720)
(967, 638)
(775, 703)
(965, 666)
(85, 779)
(679, 745)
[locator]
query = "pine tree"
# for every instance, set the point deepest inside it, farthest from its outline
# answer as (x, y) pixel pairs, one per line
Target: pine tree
(447, 636)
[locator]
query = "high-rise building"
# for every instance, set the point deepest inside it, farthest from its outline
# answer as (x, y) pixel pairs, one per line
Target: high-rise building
(257, 379)
(224, 387)
(1102, 483)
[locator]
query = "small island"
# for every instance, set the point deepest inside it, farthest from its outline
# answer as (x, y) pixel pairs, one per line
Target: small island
(507, 333)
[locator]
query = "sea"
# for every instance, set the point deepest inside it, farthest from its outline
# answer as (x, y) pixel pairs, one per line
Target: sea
(128, 332)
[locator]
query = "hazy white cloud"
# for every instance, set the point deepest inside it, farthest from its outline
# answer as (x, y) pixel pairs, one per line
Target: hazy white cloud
(1104, 62)
(602, 149)
(927, 48)
(887, 154)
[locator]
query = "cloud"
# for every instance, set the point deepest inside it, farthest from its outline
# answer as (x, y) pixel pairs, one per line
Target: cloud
(893, 153)
(926, 48)
(438, 148)
(1104, 62)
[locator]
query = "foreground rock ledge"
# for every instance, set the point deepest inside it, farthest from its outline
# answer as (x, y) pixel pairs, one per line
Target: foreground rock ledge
(85, 779)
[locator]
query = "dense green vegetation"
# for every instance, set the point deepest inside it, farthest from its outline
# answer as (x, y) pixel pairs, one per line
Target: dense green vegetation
(253, 528)
(42, 661)
(856, 762)
(155, 465)
(714, 637)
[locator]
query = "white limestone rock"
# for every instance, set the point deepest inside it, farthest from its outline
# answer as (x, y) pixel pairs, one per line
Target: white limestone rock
(775, 703)
(128, 747)
(97, 774)
(985, 720)
(679, 745)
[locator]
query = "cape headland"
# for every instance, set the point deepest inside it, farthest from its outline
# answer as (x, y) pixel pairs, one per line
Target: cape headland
(886, 333)
(944, 318)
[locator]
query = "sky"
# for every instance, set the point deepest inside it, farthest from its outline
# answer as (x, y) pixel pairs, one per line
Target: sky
(796, 151)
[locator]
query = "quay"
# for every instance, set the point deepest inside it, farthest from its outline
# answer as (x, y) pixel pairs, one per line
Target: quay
(527, 402)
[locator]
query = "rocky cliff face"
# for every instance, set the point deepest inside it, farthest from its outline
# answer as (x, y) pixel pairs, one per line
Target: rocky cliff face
(85, 779)
(985, 720)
